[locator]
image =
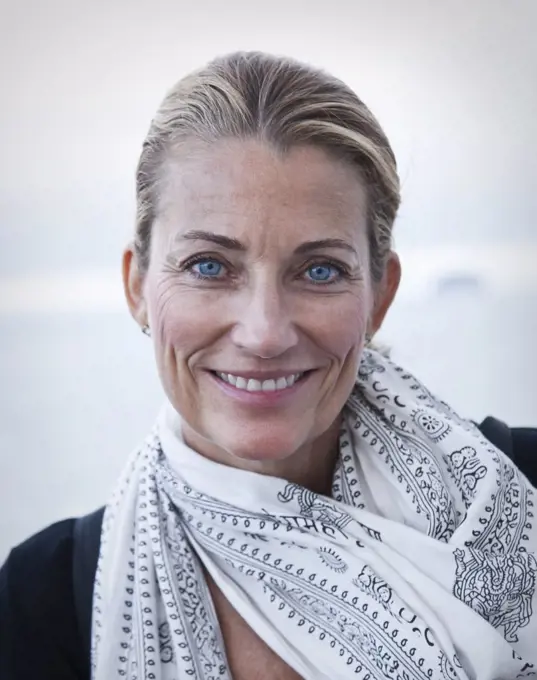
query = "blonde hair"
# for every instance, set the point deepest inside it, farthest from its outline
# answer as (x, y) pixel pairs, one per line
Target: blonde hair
(284, 103)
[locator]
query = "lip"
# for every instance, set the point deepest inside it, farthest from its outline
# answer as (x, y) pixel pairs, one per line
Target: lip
(262, 399)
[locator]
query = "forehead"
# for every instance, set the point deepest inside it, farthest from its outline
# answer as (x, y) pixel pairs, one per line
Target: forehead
(246, 186)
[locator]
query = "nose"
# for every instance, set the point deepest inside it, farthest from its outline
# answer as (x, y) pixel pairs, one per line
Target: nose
(264, 325)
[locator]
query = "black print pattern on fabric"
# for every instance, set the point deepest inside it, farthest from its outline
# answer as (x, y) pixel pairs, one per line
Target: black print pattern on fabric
(165, 639)
(330, 557)
(434, 427)
(371, 583)
(411, 465)
(346, 485)
(348, 592)
(312, 505)
(449, 669)
(508, 518)
(201, 642)
(466, 469)
(499, 587)
(345, 632)
(362, 639)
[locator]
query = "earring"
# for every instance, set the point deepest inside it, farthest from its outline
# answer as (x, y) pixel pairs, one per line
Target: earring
(146, 330)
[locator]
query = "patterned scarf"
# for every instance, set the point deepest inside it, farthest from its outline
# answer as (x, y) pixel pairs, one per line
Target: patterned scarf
(421, 565)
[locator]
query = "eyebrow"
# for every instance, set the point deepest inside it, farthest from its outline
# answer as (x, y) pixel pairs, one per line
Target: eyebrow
(234, 244)
(223, 241)
(308, 246)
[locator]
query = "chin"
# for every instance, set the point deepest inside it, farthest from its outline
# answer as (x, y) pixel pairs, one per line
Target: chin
(259, 443)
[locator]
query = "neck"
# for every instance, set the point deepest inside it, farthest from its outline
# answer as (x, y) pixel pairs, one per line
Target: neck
(312, 466)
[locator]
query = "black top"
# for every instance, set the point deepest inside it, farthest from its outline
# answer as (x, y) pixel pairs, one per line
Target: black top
(39, 634)
(39, 637)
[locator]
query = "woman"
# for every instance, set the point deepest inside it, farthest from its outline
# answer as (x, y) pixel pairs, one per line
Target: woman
(304, 507)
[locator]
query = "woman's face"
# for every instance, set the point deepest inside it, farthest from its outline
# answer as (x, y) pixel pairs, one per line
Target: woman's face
(258, 295)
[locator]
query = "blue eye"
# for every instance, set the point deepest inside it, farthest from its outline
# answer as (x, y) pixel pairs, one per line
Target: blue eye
(323, 273)
(208, 269)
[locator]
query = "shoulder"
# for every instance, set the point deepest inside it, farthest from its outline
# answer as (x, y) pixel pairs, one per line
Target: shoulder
(36, 606)
(47, 555)
(525, 438)
(519, 443)
(525, 451)
(47, 543)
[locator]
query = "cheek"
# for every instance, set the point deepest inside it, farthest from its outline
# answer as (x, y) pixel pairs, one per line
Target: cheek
(180, 320)
(341, 325)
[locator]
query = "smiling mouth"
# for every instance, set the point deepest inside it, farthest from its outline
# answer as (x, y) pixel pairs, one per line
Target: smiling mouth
(276, 384)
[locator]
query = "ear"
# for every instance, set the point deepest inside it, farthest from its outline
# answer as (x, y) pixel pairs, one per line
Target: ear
(133, 285)
(385, 292)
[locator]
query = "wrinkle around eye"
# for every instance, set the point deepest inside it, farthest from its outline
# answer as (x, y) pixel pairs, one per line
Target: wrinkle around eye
(185, 267)
(168, 286)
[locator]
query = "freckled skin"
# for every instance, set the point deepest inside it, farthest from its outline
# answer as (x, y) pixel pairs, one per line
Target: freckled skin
(263, 311)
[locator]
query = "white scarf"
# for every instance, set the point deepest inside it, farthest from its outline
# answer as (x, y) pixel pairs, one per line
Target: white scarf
(421, 565)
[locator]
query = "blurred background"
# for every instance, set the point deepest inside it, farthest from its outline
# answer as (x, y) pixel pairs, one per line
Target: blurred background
(455, 86)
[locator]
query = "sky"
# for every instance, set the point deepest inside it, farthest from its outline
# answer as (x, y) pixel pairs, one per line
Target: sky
(453, 83)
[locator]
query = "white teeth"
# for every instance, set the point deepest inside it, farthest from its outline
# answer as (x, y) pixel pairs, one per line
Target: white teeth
(253, 385)
(268, 385)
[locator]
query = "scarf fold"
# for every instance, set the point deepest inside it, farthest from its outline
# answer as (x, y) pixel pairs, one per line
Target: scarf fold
(421, 565)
